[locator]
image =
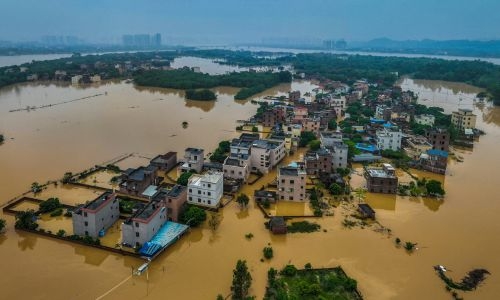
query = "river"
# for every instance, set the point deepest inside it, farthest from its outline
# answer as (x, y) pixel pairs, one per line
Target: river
(460, 232)
(6, 60)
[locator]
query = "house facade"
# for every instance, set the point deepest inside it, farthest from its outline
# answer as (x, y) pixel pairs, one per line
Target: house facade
(136, 181)
(389, 138)
(174, 199)
(99, 214)
(266, 154)
(381, 180)
(439, 138)
(165, 162)
(205, 190)
(463, 119)
(292, 183)
(144, 224)
(193, 160)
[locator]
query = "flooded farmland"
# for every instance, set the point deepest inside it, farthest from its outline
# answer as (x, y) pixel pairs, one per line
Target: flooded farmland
(459, 232)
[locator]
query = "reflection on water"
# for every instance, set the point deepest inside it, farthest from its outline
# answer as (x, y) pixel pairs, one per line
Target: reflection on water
(27, 241)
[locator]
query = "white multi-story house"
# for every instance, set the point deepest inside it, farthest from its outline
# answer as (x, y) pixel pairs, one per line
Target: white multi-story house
(205, 189)
(293, 129)
(237, 165)
(292, 183)
(389, 137)
(425, 119)
(329, 138)
(144, 224)
(266, 154)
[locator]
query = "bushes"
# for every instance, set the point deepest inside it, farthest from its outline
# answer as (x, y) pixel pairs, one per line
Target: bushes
(306, 137)
(49, 205)
(268, 252)
(193, 216)
(57, 212)
(202, 95)
(303, 227)
(289, 271)
(26, 220)
(184, 178)
(61, 233)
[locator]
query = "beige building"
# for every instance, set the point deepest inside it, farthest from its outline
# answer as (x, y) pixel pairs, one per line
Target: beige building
(266, 154)
(292, 183)
(463, 119)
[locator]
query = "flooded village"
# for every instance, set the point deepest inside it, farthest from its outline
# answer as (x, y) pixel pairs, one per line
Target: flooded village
(393, 190)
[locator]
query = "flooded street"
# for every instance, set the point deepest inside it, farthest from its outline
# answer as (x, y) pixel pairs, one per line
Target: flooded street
(460, 232)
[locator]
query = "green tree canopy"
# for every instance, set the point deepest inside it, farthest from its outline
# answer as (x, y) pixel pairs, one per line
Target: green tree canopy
(242, 280)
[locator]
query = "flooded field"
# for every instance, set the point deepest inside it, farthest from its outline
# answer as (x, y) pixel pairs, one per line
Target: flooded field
(460, 232)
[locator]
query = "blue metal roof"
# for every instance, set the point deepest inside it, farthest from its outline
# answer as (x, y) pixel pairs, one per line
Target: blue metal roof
(366, 147)
(437, 152)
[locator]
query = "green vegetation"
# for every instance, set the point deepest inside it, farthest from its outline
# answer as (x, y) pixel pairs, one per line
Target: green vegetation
(36, 187)
(251, 83)
(268, 252)
(306, 137)
(249, 236)
(220, 154)
(49, 205)
(113, 168)
(332, 125)
(314, 145)
(335, 189)
(86, 239)
(380, 69)
(303, 227)
(434, 188)
(26, 220)
(343, 171)
(126, 205)
(1, 138)
(214, 221)
(243, 200)
(194, 216)
(3, 223)
(61, 232)
(57, 212)
(242, 280)
(202, 95)
(184, 178)
(468, 283)
(409, 246)
(310, 284)
(315, 203)
(67, 177)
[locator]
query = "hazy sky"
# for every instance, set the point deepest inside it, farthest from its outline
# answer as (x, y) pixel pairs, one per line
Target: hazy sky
(226, 21)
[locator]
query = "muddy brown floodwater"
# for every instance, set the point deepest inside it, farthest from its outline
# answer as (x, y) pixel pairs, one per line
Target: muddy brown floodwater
(460, 233)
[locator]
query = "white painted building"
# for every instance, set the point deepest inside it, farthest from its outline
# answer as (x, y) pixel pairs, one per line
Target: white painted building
(425, 120)
(266, 154)
(389, 138)
(338, 104)
(76, 79)
(340, 153)
(206, 189)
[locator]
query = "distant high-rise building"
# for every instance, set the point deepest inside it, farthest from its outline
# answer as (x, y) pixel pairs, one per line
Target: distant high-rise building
(142, 40)
(156, 40)
(60, 40)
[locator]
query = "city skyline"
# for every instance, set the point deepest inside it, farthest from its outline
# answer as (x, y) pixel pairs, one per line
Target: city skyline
(227, 22)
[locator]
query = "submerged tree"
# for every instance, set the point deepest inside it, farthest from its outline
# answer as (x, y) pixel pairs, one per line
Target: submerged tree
(214, 221)
(242, 280)
(243, 200)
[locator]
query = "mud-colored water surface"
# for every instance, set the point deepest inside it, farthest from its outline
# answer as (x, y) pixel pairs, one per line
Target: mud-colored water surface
(460, 232)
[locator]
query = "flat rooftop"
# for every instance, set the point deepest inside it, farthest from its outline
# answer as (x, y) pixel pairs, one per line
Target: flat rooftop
(140, 173)
(147, 211)
(210, 177)
(97, 202)
(291, 171)
(198, 151)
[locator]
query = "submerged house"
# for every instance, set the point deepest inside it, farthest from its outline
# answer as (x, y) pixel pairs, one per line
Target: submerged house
(143, 225)
(165, 162)
(381, 180)
(366, 211)
(173, 199)
(136, 181)
(95, 217)
(277, 225)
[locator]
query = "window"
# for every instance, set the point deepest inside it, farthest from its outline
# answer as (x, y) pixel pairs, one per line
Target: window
(86, 233)
(199, 192)
(292, 181)
(190, 198)
(209, 193)
(169, 200)
(137, 234)
(209, 202)
(85, 214)
(86, 223)
(136, 224)
(199, 200)
(290, 198)
(190, 190)
(209, 185)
